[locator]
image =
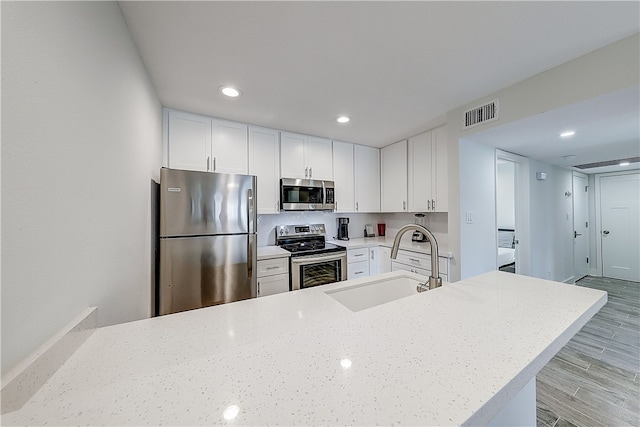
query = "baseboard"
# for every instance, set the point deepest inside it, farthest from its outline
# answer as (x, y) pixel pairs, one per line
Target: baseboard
(571, 280)
(24, 380)
(594, 272)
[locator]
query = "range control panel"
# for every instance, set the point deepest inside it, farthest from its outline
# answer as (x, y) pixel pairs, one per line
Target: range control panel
(300, 230)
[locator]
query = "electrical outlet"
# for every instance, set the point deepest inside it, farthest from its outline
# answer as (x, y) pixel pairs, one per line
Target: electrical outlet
(469, 217)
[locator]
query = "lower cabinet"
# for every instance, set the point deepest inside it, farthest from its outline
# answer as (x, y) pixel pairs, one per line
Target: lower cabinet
(273, 276)
(357, 263)
(420, 263)
(379, 260)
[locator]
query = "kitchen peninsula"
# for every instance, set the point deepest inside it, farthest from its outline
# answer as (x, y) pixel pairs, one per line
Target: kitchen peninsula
(455, 355)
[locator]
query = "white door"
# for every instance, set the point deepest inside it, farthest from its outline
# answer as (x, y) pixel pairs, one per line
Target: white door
(580, 226)
(522, 219)
(619, 207)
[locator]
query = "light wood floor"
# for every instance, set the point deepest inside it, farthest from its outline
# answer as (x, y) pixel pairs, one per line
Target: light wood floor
(594, 380)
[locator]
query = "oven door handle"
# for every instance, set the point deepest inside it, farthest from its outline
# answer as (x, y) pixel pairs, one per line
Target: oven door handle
(305, 260)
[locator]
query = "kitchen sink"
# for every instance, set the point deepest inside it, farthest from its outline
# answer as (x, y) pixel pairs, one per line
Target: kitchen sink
(366, 295)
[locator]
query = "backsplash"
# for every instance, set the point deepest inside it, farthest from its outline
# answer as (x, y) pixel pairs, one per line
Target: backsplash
(436, 222)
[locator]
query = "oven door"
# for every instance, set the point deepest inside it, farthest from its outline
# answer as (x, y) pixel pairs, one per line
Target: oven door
(315, 270)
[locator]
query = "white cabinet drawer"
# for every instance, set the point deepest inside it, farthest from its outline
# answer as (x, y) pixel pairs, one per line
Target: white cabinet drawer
(271, 285)
(395, 266)
(269, 267)
(420, 260)
(414, 259)
(356, 270)
(356, 255)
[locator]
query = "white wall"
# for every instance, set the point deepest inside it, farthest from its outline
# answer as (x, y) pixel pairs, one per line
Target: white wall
(505, 195)
(479, 239)
(551, 223)
(81, 142)
(605, 70)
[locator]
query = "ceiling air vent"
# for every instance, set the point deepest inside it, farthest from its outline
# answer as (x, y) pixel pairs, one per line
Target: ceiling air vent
(482, 114)
(607, 163)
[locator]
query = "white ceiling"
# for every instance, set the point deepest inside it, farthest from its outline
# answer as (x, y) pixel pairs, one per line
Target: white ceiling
(395, 67)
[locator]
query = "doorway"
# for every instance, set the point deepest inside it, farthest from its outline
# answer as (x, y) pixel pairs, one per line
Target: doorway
(619, 225)
(580, 206)
(512, 213)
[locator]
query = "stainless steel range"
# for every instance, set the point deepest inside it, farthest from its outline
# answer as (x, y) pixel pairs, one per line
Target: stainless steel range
(313, 261)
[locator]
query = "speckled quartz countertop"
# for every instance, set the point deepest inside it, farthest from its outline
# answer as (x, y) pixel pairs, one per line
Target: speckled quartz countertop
(405, 243)
(269, 252)
(450, 356)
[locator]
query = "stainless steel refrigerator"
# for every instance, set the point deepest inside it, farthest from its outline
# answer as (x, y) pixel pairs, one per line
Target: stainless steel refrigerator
(207, 239)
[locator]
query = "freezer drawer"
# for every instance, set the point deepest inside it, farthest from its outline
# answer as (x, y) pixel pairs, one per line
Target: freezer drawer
(202, 271)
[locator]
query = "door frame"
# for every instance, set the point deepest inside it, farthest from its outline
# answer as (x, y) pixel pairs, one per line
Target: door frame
(598, 209)
(573, 208)
(522, 219)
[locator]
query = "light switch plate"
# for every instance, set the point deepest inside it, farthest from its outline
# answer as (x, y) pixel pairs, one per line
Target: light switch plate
(469, 217)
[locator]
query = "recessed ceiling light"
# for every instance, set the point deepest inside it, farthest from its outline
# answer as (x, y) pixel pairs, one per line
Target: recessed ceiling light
(624, 163)
(343, 119)
(230, 91)
(567, 134)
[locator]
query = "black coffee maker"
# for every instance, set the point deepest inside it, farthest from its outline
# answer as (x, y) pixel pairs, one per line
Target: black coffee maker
(343, 228)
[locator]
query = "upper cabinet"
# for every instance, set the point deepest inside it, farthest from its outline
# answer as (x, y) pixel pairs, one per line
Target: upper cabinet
(366, 172)
(201, 143)
(394, 177)
(343, 176)
(264, 163)
(305, 157)
(427, 172)
(189, 141)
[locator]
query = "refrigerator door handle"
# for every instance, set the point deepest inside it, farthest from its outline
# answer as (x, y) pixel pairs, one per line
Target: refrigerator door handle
(252, 212)
(252, 264)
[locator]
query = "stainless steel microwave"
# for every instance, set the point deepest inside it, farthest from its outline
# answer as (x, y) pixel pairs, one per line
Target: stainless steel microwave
(306, 195)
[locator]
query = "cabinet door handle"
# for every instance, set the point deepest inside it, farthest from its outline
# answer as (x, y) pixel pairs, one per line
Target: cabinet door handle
(306, 172)
(357, 208)
(404, 205)
(428, 205)
(258, 289)
(208, 159)
(414, 260)
(433, 204)
(214, 164)
(358, 255)
(310, 172)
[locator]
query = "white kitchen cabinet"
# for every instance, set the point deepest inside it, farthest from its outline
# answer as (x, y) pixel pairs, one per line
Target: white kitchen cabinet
(264, 163)
(201, 143)
(418, 262)
(305, 157)
(366, 179)
(357, 263)
(393, 171)
(343, 176)
(273, 276)
(229, 147)
(379, 260)
(189, 141)
(427, 172)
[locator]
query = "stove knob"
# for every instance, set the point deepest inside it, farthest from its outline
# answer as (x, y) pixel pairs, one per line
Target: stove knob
(281, 231)
(286, 231)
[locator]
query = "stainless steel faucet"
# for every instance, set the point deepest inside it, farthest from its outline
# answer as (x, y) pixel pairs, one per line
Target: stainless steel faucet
(434, 280)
